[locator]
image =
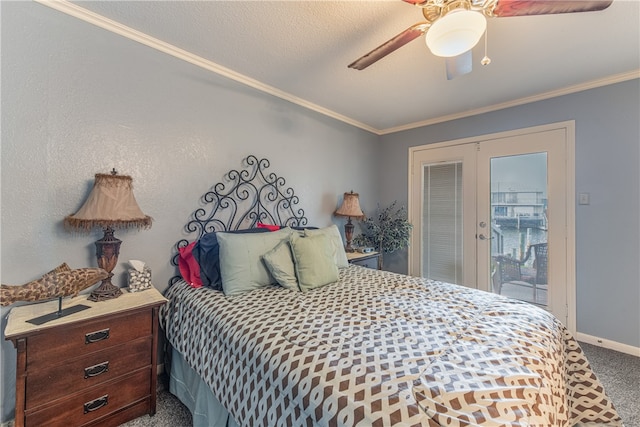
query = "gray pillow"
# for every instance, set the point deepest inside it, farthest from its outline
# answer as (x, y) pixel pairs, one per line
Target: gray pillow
(334, 236)
(279, 262)
(314, 261)
(241, 265)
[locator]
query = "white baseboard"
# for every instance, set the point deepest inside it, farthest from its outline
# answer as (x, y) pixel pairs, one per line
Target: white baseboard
(611, 345)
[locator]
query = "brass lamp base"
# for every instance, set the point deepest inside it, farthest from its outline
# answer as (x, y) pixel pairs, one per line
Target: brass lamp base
(348, 234)
(105, 291)
(107, 251)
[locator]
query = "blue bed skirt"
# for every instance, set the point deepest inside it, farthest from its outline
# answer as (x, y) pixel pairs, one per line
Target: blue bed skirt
(195, 394)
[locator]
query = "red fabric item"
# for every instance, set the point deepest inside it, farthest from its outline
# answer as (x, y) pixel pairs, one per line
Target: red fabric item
(189, 267)
(268, 226)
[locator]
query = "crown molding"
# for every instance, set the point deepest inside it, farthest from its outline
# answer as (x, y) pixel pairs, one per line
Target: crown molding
(616, 78)
(93, 18)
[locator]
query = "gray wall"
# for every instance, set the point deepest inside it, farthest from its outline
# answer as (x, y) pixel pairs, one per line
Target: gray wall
(607, 166)
(77, 100)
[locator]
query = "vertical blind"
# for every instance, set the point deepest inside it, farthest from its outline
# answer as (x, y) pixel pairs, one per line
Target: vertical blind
(442, 222)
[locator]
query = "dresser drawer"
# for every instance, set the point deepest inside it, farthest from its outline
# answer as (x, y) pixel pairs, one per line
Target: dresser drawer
(62, 344)
(94, 403)
(113, 344)
(50, 383)
(118, 418)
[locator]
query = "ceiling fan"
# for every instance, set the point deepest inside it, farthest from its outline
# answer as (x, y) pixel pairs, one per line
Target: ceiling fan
(454, 27)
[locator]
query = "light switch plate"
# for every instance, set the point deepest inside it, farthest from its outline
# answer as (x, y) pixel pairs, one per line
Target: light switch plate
(583, 198)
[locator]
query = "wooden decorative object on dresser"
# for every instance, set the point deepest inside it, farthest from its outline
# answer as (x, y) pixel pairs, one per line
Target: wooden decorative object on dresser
(369, 260)
(97, 367)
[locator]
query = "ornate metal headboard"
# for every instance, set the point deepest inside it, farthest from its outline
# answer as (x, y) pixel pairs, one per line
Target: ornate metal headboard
(243, 199)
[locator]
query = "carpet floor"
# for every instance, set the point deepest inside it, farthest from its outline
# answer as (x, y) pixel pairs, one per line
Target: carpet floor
(618, 372)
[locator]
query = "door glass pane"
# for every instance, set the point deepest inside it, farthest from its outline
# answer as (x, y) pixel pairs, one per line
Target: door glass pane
(519, 227)
(442, 222)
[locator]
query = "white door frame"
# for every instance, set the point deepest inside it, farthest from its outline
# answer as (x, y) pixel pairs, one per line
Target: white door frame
(569, 130)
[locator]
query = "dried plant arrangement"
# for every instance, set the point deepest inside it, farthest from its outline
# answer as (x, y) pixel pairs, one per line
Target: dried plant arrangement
(387, 231)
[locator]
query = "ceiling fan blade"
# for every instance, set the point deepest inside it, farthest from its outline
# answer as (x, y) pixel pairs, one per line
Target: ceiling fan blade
(389, 46)
(547, 7)
(459, 65)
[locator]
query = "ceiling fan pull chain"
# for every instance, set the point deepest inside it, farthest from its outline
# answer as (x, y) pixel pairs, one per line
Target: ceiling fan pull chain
(465, 19)
(486, 60)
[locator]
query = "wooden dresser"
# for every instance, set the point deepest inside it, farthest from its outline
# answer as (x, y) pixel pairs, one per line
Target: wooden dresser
(96, 367)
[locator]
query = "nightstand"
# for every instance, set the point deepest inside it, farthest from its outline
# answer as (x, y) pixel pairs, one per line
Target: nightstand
(370, 260)
(94, 367)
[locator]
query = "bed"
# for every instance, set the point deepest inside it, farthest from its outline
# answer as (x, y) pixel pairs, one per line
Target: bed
(359, 347)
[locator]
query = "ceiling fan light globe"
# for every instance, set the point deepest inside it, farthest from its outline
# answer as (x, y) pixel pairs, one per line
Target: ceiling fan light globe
(456, 33)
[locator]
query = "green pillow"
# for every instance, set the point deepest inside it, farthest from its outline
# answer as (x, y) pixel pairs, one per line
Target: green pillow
(241, 265)
(279, 262)
(334, 236)
(314, 261)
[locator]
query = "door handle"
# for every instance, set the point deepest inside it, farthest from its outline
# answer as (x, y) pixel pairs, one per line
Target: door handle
(483, 237)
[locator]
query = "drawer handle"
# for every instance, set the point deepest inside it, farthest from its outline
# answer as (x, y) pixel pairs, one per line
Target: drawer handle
(95, 370)
(96, 336)
(96, 404)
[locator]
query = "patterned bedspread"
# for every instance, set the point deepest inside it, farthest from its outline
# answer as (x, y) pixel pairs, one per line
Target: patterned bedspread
(384, 349)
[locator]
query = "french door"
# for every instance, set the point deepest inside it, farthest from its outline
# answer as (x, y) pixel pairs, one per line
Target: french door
(496, 213)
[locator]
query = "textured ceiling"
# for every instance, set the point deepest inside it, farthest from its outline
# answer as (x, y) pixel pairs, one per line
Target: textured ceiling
(300, 50)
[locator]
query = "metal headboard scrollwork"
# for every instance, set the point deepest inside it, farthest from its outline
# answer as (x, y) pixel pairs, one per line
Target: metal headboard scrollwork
(247, 196)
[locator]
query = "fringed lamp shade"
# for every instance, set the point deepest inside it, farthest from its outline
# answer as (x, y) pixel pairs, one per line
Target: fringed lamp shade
(111, 204)
(349, 208)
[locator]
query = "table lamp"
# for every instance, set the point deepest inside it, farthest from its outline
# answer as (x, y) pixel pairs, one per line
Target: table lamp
(111, 204)
(350, 208)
